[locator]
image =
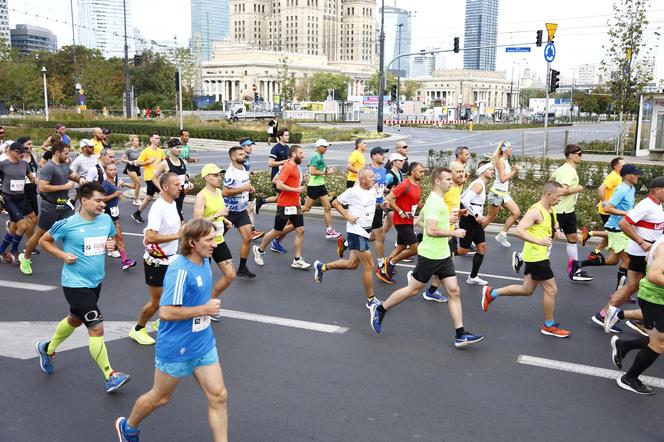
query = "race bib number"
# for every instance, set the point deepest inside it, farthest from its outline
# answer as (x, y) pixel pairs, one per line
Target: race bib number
(290, 210)
(183, 179)
(200, 323)
(94, 246)
(16, 185)
(413, 210)
(115, 211)
(219, 227)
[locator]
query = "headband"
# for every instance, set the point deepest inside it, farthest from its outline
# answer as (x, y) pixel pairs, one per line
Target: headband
(484, 168)
(506, 145)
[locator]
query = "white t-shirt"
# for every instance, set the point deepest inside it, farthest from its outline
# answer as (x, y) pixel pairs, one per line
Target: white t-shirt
(164, 219)
(647, 217)
(234, 178)
(502, 186)
(82, 164)
(361, 203)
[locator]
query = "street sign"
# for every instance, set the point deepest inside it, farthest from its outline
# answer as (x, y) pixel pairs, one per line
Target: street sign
(518, 49)
(253, 88)
(551, 30)
(549, 52)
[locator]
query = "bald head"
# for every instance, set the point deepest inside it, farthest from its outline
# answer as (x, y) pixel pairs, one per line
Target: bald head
(366, 177)
(458, 173)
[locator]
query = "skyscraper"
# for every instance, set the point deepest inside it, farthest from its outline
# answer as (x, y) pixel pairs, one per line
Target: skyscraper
(29, 38)
(4, 21)
(398, 32)
(209, 24)
(101, 26)
(481, 30)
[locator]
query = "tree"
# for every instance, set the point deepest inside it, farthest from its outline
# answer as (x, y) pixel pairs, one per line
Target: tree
(321, 82)
(409, 89)
(371, 86)
(185, 60)
(155, 76)
(103, 82)
(303, 89)
(286, 82)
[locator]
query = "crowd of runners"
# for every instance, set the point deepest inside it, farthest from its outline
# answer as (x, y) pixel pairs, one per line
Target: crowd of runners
(69, 208)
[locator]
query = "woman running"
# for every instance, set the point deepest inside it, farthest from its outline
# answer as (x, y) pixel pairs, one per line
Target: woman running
(499, 195)
(129, 158)
(112, 188)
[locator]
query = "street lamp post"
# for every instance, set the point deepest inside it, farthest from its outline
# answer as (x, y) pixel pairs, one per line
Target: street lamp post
(128, 106)
(44, 72)
(381, 73)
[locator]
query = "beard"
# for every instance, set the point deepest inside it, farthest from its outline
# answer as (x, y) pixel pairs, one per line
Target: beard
(297, 160)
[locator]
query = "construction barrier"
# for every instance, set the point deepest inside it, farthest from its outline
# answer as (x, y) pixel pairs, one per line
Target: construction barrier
(423, 122)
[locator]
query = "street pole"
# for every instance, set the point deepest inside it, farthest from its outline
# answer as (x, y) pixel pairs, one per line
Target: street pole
(509, 103)
(128, 107)
(44, 71)
(381, 74)
(546, 110)
(77, 86)
(180, 98)
(398, 103)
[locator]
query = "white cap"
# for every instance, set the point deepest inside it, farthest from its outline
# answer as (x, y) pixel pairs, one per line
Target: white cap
(397, 157)
(86, 142)
(322, 142)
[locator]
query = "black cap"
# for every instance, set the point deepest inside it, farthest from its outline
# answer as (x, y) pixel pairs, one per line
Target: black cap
(18, 147)
(630, 169)
(174, 142)
(106, 131)
(656, 182)
(376, 150)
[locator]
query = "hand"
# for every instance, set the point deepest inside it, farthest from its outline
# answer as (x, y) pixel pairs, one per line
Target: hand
(546, 242)
(249, 188)
(352, 218)
(68, 258)
(330, 170)
(70, 185)
(516, 167)
(222, 212)
(111, 245)
(384, 205)
(301, 189)
(212, 308)
(403, 215)
(560, 234)
(645, 245)
(579, 189)
(463, 212)
(228, 225)
(454, 217)
(459, 233)
(479, 219)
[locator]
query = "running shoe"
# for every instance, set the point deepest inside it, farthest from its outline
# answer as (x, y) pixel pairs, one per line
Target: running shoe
(245, 273)
(577, 274)
(472, 249)
(637, 326)
(116, 380)
(35, 252)
(436, 296)
(123, 434)
(611, 318)
(516, 262)
(258, 256)
(598, 256)
(467, 339)
(383, 277)
(376, 317)
(7, 258)
(136, 216)
(259, 204)
(114, 254)
(318, 271)
(332, 234)
(598, 319)
(389, 269)
(277, 247)
(631, 299)
(585, 235)
(476, 281)
(373, 301)
(300, 264)
(408, 259)
(634, 385)
(155, 325)
(341, 246)
(617, 354)
(26, 265)
(555, 330)
(141, 336)
(128, 263)
(136, 202)
(256, 235)
(45, 360)
(502, 239)
(486, 297)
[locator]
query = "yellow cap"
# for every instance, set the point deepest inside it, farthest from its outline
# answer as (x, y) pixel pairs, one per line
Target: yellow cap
(210, 168)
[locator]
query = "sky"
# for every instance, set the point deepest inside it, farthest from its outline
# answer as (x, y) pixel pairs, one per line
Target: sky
(582, 27)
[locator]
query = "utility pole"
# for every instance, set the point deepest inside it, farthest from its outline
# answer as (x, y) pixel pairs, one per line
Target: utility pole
(398, 103)
(381, 74)
(77, 85)
(128, 106)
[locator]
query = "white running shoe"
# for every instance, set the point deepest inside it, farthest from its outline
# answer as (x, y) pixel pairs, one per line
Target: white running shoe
(502, 239)
(300, 264)
(114, 254)
(136, 202)
(332, 234)
(475, 281)
(258, 256)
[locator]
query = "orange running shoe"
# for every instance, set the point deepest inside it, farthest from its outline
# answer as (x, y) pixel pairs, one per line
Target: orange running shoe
(555, 331)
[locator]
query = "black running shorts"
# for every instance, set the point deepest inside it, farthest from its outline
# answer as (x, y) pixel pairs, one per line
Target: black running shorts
(315, 192)
(426, 268)
(637, 264)
(539, 270)
(221, 253)
(474, 232)
(405, 234)
(83, 304)
(154, 274)
(567, 222)
(239, 219)
(653, 315)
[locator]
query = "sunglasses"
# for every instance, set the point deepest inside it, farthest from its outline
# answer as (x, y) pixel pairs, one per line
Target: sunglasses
(579, 152)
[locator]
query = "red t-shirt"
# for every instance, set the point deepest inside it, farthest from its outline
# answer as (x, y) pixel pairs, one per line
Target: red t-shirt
(408, 197)
(290, 176)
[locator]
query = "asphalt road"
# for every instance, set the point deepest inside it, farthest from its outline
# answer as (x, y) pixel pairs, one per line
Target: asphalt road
(295, 384)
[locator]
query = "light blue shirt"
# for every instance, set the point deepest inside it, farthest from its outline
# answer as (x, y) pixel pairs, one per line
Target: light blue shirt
(622, 199)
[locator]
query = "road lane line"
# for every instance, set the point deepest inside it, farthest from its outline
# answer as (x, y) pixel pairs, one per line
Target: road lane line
(588, 370)
(276, 320)
(27, 286)
(488, 275)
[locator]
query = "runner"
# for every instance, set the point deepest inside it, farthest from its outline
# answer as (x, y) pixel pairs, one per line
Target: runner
(55, 181)
(605, 191)
(434, 258)
(60, 131)
(401, 147)
(30, 189)
(106, 138)
(461, 155)
(404, 201)
(112, 189)
(537, 229)
(161, 245)
(248, 146)
(236, 191)
(186, 344)
(288, 209)
(85, 160)
(355, 162)
(130, 157)
(499, 195)
(97, 140)
(279, 155)
(86, 236)
(394, 167)
(316, 189)
(651, 301)
(96, 172)
(174, 164)
(380, 180)
(149, 159)
(185, 152)
(361, 203)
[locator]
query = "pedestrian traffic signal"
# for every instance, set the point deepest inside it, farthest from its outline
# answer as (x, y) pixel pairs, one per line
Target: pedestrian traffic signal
(393, 92)
(138, 59)
(538, 39)
(554, 81)
(177, 81)
(456, 45)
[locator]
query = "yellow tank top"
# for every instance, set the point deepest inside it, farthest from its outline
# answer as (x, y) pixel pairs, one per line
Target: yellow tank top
(452, 200)
(534, 252)
(213, 204)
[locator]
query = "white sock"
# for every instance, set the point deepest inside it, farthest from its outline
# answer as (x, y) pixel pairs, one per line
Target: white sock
(572, 252)
(381, 261)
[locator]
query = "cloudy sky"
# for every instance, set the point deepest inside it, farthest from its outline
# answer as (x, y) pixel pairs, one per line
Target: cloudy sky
(582, 26)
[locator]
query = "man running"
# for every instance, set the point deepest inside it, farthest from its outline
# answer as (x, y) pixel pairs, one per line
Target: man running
(537, 229)
(355, 162)
(186, 344)
(85, 160)
(434, 258)
(401, 147)
(279, 155)
(185, 151)
(394, 177)
(161, 245)
(248, 146)
(86, 236)
(149, 159)
(113, 193)
(316, 189)
(236, 191)
(461, 155)
(361, 203)
(97, 140)
(173, 163)
(288, 209)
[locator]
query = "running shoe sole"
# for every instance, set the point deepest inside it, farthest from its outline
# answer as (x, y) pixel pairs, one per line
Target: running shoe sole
(516, 262)
(616, 357)
(383, 277)
(548, 333)
(611, 318)
(318, 272)
(426, 296)
(627, 387)
(258, 256)
(476, 282)
(468, 343)
(584, 236)
(636, 328)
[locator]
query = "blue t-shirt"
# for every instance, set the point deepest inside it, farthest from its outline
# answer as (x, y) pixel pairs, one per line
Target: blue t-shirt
(247, 163)
(381, 182)
(66, 139)
(622, 199)
(279, 152)
(186, 284)
(87, 241)
(110, 189)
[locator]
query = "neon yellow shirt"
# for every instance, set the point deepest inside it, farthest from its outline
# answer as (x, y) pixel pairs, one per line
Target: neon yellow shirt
(213, 204)
(356, 160)
(566, 175)
(149, 154)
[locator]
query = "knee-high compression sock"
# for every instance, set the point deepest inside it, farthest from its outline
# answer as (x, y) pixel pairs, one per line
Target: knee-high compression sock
(16, 241)
(100, 354)
(62, 331)
(572, 252)
(622, 273)
(633, 344)
(591, 263)
(5, 242)
(642, 361)
(477, 262)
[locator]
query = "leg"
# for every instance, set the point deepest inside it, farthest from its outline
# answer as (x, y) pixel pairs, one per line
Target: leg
(137, 184)
(549, 300)
(211, 380)
(351, 263)
(412, 289)
(405, 253)
(145, 203)
(367, 275)
(151, 307)
(98, 349)
(308, 203)
(267, 239)
(245, 232)
(623, 293)
(327, 211)
(379, 245)
(492, 213)
(454, 301)
(299, 239)
(31, 245)
(515, 213)
(526, 289)
(63, 330)
(161, 392)
(228, 270)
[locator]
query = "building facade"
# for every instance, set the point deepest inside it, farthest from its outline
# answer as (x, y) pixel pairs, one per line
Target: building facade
(30, 38)
(423, 65)
(481, 31)
(398, 32)
(209, 25)
(4, 21)
(102, 26)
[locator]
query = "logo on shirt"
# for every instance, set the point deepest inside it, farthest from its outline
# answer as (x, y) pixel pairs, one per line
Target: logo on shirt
(199, 281)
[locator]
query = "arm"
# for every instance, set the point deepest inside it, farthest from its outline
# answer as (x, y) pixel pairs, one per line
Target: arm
(316, 172)
(350, 167)
(161, 168)
(433, 230)
(153, 237)
(283, 187)
(391, 200)
(467, 196)
(343, 212)
(600, 191)
(532, 217)
(274, 163)
(45, 186)
(178, 313)
(125, 159)
(611, 210)
(48, 243)
(656, 270)
(629, 230)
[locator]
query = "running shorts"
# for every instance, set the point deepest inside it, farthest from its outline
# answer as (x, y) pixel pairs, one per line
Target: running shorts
(281, 219)
(154, 274)
(405, 234)
(315, 192)
(539, 270)
(152, 189)
(637, 264)
(357, 242)
(47, 219)
(221, 253)
(617, 241)
(497, 200)
(83, 304)
(239, 219)
(377, 222)
(186, 368)
(474, 232)
(653, 315)
(567, 222)
(17, 206)
(426, 268)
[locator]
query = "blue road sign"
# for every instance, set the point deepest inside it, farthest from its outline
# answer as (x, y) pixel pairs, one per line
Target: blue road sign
(549, 52)
(518, 49)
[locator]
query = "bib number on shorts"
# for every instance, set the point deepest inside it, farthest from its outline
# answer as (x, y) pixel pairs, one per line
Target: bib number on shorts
(17, 185)
(115, 211)
(94, 246)
(290, 210)
(219, 227)
(200, 323)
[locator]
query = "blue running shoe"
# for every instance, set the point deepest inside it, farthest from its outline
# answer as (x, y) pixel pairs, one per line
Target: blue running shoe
(467, 339)
(277, 247)
(435, 296)
(45, 361)
(376, 317)
(117, 380)
(373, 301)
(318, 272)
(599, 320)
(125, 435)
(390, 268)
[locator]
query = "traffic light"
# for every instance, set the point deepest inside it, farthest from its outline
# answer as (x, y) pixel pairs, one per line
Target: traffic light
(177, 81)
(538, 39)
(393, 92)
(456, 45)
(138, 59)
(554, 81)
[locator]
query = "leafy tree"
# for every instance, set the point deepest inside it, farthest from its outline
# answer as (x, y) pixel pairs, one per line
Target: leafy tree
(155, 76)
(409, 89)
(103, 82)
(185, 60)
(321, 82)
(371, 86)
(303, 89)
(286, 82)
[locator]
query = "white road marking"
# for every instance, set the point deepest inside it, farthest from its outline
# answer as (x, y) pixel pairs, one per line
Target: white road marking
(275, 320)
(488, 275)
(27, 286)
(583, 369)
(133, 234)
